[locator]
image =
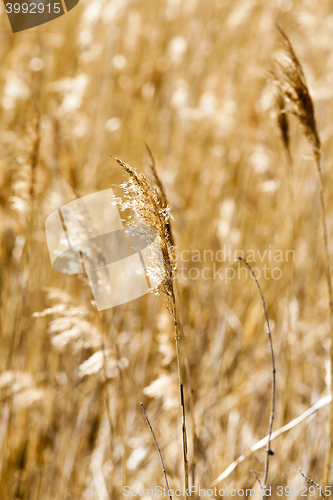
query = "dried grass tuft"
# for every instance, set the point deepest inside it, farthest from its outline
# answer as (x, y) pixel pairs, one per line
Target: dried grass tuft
(143, 199)
(290, 79)
(149, 208)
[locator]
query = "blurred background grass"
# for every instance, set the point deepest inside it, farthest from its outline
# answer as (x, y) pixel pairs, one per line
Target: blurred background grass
(189, 78)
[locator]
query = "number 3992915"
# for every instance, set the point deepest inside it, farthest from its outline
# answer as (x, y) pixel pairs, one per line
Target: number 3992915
(33, 8)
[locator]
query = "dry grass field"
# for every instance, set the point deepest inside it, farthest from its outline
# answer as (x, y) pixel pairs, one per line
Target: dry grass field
(191, 79)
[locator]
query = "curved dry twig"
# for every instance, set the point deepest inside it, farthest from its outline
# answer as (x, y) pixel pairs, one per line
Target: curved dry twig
(159, 451)
(289, 78)
(311, 481)
(271, 417)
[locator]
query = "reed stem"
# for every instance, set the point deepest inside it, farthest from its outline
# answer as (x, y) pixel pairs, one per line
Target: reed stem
(272, 413)
(158, 449)
(330, 294)
(182, 400)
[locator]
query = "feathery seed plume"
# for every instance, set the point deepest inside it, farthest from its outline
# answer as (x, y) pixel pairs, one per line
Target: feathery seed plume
(143, 199)
(290, 79)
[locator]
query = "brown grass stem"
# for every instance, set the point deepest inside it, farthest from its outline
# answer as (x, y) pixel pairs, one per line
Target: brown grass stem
(290, 79)
(313, 483)
(123, 421)
(178, 331)
(190, 389)
(330, 294)
(178, 328)
(256, 477)
(269, 334)
(182, 399)
(108, 415)
(149, 206)
(158, 449)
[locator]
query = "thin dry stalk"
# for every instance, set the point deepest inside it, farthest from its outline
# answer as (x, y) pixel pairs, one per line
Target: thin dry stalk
(123, 421)
(330, 294)
(194, 433)
(108, 415)
(311, 481)
(290, 79)
(157, 180)
(269, 334)
(144, 200)
(159, 451)
(161, 190)
(182, 401)
(257, 477)
(164, 202)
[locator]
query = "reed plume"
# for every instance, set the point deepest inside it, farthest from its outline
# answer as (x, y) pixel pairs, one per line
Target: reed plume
(152, 213)
(289, 78)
